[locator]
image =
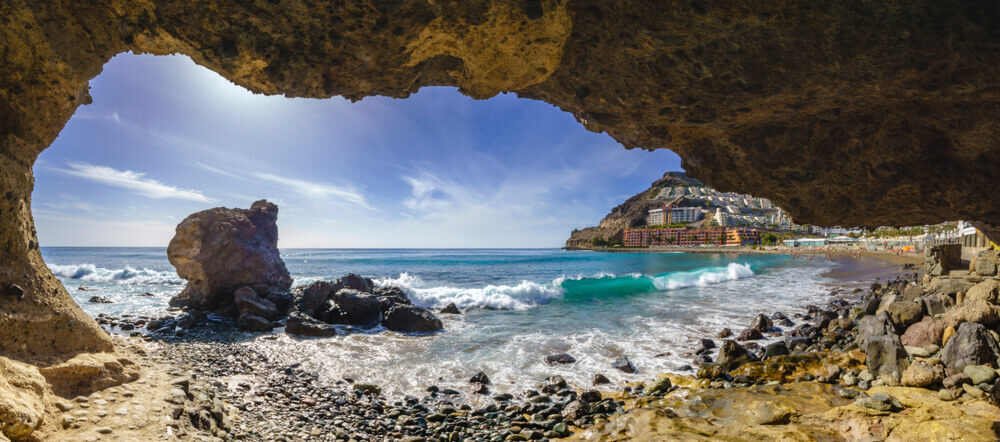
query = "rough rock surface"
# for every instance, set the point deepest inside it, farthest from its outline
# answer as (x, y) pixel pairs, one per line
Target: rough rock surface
(221, 250)
(884, 355)
(355, 301)
(972, 345)
(926, 332)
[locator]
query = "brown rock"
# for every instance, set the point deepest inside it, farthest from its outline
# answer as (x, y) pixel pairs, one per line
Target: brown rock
(247, 302)
(22, 391)
(919, 374)
(948, 332)
(973, 311)
(926, 332)
(905, 313)
(220, 250)
(984, 291)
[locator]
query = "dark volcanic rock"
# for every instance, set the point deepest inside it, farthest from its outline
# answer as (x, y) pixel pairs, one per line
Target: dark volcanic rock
(252, 322)
(451, 309)
(750, 334)
(411, 319)
(624, 364)
(299, 323)
(220, 250)
(559, 358)
(100, 300)
(732, 355)
(247, 302)
(599, 379)
(884, 355)
(762, 323)
(972, 344)
(351, 307)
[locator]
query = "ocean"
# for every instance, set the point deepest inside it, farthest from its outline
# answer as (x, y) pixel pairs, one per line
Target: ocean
(520, 305)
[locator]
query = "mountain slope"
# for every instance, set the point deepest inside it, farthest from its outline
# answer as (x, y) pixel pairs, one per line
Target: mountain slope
(631, 213)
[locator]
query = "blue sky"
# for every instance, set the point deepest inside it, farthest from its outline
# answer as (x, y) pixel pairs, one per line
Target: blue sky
(165, 138)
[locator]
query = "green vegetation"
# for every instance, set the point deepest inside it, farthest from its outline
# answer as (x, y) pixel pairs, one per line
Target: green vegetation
(769, 239)
(604, 242)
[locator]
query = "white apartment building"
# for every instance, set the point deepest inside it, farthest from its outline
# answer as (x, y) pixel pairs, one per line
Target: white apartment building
(684, 214)
(656, 217)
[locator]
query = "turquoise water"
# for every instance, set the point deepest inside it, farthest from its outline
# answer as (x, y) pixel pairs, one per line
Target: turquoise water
(520, 306)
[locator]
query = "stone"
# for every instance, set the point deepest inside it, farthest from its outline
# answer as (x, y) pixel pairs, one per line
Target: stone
(352, 307)
(980, 374)
(559, 358)
(880, 402)
(732, 355)
(299, 323)
(920, 374)
(987, 262)
(314, 298)
(411, 319)
(451, 309)
(762, 323)
(660, 387)
(252, 322)
(973, 311)
(247, 302)
(884, 355)
(937, 304)
(774, 349)
(917, 352)
(221, 250)
(973, 391)
(874, 325)
(22, 393)
(987, 290)
(480, 378)
(100, 300)
(750, 334)
(972, 345)
(948, 332)
(599, 379)
(926, 332)
(904, 313)
(725, 333)
(956, 380)
(942, 259)
(623, 364)
(946, 395)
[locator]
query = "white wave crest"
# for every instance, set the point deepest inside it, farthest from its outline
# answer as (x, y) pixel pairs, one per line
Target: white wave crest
(525, 295)
(704, 277)
(127, 275)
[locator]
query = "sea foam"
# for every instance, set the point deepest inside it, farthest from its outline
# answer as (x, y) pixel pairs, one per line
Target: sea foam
(127, 275)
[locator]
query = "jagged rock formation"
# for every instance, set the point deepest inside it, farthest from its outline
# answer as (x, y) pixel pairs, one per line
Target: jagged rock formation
(631, 213)
(220, 251)
(848, 112)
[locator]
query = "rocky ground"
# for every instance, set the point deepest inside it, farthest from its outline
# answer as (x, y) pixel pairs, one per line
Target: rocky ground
(868, 365)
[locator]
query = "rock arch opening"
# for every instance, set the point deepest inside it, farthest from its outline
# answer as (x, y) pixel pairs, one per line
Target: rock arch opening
(841, 112)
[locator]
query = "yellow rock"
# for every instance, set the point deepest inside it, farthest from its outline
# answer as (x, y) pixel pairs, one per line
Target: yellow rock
(949, 331)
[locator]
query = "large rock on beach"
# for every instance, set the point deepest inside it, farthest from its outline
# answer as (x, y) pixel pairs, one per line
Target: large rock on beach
(940, 260)
(874, 325)
(299, 323)
(984, 291)
(762, 323)
(247, 302)
(987, 263)
(973, 344)
(885, 355)
(732, 355)
(937, 304)
(904, 313)
(221, 250)
(926, 332)
(352, 307)
(313, 298)
(973, 311)
(411, 319)
(921, 374)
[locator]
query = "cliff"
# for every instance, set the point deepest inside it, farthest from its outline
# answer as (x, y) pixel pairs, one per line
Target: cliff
(631, 213)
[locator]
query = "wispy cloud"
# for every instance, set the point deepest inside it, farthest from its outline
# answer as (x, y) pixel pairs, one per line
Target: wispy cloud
(319, 190)
(136, 182)
(216, 170)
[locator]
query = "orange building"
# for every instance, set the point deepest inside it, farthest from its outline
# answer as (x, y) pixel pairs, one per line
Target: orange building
(687, 238)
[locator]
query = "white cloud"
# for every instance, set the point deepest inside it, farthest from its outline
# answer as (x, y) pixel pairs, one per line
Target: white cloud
(319, 190)
(133, 181)
(216, 170)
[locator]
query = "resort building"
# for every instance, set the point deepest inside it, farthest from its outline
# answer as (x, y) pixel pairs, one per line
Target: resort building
(656, 217)
(687, 238)
(684, 215)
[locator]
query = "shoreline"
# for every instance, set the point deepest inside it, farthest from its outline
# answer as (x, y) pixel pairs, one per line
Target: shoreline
(286, 402)
(767, 250)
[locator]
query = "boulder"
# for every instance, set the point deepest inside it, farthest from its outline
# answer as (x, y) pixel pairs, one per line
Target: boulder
(950, 286)
(869, 303)
(100, 300)
(904, 313)
(299, 323)
(926, 332)
(252, 322)
(884, 355)
(351, 307)
(912, 292)
(750, 334)
(220, 250)
(779, 348)
(984, 291)
(920, 374)
(22, 404)
(623, 364)
(980, 374)
(732, 355)
(874, 325)
(987, 262)
(973, 311)
(313, 298)
(972, 345)
(762, 323)
(411, 319)
(936, 304)
(563, 358)
(451, 309)
(247, 302)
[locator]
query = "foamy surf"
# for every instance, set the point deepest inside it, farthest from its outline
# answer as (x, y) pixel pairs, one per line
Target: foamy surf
(126, 275)
(528, 294)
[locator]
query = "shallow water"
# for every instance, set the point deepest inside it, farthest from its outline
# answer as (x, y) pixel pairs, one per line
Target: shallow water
(521, 305)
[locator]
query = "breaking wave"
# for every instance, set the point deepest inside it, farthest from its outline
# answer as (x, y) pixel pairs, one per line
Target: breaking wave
(127, 275)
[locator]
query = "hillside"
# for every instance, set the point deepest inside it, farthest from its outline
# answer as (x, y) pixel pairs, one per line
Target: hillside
(631, 213)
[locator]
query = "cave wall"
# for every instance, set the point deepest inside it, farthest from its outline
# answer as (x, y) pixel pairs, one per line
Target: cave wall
(850, 112)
